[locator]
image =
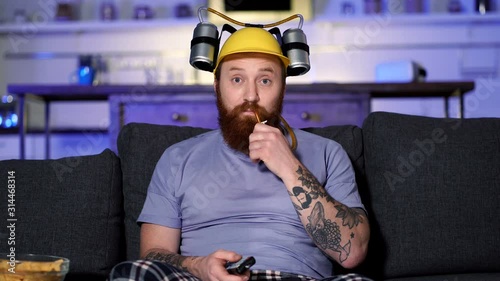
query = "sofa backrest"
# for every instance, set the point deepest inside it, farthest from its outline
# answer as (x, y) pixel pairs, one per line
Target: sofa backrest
(141, 145)
(70, 207)
(434, 190)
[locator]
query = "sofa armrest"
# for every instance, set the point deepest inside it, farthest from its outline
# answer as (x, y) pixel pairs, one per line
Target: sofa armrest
(70, 207)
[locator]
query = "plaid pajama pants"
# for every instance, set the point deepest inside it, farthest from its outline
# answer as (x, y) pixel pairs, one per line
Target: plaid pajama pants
(145, 270)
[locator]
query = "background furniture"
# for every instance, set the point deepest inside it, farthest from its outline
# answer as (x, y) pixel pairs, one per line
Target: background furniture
(309, 105)
(430, 186)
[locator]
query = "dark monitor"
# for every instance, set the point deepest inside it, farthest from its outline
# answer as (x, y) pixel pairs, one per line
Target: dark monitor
(258, 5)
(258, 11)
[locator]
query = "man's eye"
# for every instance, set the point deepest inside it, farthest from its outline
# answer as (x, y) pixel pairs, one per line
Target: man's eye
(237, 80)
(266, 81)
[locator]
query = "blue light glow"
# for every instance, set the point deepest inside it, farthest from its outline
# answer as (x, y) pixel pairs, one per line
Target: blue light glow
(7, 98)
(84, 71)
(14, 119)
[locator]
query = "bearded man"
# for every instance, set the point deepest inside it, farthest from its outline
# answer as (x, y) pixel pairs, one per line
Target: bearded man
(243, 191)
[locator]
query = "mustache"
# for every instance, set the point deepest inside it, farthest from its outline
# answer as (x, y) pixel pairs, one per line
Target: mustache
(250, 106)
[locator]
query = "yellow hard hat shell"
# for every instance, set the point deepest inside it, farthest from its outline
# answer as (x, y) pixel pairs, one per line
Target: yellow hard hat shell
(251, 40)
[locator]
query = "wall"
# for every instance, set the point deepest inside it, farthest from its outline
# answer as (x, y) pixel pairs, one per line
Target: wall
(343, 49)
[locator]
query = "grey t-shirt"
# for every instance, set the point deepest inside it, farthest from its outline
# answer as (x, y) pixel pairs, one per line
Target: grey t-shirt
(222, 200)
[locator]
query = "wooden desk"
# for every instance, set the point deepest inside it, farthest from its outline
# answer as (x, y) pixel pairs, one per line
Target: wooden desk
(363, 92)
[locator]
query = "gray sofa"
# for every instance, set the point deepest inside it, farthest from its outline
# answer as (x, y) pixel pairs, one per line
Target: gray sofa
(431, 187)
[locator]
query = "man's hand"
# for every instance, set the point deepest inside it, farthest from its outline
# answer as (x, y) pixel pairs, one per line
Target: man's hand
(269, 145)
(213, 267)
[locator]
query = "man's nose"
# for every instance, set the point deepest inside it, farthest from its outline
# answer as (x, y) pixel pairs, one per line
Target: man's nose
(252, 93)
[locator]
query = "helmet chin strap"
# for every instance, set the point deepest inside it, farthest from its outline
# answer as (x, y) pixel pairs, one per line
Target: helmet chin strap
(249, 24)
(290, 132)
(287, 128)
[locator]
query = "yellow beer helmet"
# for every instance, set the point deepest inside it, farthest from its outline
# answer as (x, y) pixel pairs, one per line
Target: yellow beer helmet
(290, 47)
(252, 40)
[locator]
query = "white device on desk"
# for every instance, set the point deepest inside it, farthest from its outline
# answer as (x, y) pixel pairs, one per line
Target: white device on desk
(400, 71)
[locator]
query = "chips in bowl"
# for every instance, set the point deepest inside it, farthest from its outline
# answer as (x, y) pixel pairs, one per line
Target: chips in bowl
(30, 267)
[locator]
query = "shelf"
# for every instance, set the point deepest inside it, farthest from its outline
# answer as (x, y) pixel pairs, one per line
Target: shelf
(126, 25)
(94, 26)
(416, 19)
(79, 92)
(15, 131)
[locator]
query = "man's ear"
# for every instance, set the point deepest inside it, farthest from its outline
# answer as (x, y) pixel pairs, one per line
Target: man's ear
(216, 82)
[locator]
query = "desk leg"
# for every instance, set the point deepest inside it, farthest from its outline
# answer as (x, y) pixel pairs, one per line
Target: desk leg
(447, 107)
(460, 96)
(22, 128)
(461, 105)
(47, 130)
(121, 115)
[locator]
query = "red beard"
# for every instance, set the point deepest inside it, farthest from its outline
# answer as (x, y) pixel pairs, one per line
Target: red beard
(236, 128)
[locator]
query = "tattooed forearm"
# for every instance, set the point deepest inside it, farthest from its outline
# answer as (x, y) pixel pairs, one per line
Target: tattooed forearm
(302, 196)
(325, 233)
(310, 185)
(170, 258)
(351, 217)
(333, 226)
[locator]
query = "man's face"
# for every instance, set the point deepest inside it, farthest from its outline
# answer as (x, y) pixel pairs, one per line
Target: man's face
(249, 83)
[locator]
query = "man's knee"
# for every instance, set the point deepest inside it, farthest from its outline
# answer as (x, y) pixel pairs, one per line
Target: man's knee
(123, 271)
(146, 270)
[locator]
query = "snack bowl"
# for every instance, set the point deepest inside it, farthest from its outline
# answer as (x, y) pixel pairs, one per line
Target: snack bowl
(31, 267)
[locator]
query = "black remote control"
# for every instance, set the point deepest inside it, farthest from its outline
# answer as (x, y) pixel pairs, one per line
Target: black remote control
(240, 266)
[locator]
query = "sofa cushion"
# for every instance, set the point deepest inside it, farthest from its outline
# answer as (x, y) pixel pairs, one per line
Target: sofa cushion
(70, 207)
(434, 186)
(351, 139)
(141, 145)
